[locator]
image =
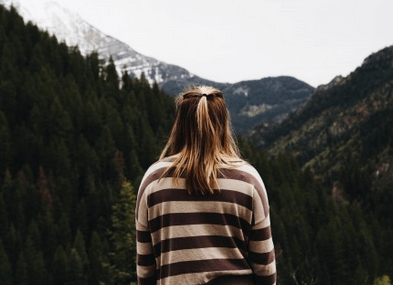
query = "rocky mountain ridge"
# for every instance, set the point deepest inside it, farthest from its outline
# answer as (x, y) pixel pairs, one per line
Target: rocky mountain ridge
(250, 102)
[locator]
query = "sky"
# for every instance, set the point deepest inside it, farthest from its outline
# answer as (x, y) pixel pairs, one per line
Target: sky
(233, 40)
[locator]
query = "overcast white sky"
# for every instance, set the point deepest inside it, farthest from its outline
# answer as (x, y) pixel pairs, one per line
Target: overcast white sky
(233, 40)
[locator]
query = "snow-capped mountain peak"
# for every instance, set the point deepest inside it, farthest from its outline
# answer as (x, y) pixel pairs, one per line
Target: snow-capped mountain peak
(69, 27)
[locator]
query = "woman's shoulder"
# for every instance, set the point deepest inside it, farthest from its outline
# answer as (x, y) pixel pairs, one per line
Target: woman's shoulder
(243, 170)
(156, 169)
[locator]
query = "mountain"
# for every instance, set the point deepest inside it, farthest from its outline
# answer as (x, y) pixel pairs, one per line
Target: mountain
(249, 102)
(345, 125)
(68, 26)
(254, 101)
(343, 137)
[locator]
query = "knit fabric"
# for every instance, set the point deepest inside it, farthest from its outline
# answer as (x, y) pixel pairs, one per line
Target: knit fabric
(213, 239)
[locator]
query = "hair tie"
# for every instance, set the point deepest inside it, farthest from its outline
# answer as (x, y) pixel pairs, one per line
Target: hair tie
(204, 95)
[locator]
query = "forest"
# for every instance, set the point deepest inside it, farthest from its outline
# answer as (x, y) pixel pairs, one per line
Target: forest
(75, 139)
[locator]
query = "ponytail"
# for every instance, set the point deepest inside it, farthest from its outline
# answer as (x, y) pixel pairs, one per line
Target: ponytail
(201, 138)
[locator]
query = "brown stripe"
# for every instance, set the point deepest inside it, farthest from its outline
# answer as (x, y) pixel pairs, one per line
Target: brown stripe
(233, 280)
(202, 266)
(199, 242)
(262, 258)
(261, 234)
(143, 236)
(182, 195)
(266, 280)
(178, 219)
(155, 175)
(147, 281)
(145, 259)
(248, 178)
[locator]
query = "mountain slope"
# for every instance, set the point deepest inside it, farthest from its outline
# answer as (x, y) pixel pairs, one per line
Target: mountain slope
(343, 137)
(249, 102)
(349, 120)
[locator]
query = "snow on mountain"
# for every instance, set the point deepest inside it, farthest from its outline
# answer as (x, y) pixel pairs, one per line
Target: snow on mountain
(69, 27)
(249, 102)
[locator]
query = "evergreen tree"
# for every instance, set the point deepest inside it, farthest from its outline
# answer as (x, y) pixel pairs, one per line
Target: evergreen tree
(60, 267)
(122, 258)
(96, 260)
(21, 277)
(76, 274)
(384, 280)
(79, 246)
(5, 267)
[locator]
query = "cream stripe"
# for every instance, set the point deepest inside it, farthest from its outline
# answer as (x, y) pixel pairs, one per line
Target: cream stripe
(199, 254)
(251, 170)
(265, 270)
(259, 211)
(156, 166)
(144, 248)
(140, 227)
(142, 210)
(264, 246)
(227, 184)
(236, 185)
(178, 207)
(262, 224)
(200, 278)
(146, 271)
(167, 183)
(196, 230)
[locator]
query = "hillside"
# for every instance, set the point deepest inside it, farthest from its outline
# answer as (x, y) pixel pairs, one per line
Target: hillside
(333, 98)
(351, 115)
(344, 136)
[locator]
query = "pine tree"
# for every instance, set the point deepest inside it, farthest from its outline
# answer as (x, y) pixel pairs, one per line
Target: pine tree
(63, 232)
(60, 266)
(79, 246)
(96, 259)
(5, 267)
(383, 280)
(21, 277)
(3, 217)
(122, 235)
(77, 276)
(5, 142)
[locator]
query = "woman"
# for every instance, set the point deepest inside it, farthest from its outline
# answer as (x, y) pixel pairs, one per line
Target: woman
(202, 214)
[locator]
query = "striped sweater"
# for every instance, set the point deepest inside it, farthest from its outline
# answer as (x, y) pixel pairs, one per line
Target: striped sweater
(215, 239)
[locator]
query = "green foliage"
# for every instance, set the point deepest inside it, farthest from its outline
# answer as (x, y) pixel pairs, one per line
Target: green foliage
(70, 131)
(384, 280)
(122, 259)
(320, 240)
(5, 266)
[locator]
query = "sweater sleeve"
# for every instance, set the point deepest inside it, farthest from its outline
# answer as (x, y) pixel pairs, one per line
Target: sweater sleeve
(261, 248)
(145, 263)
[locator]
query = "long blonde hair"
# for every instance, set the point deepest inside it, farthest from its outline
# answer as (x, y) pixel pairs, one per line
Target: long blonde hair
(202, 139)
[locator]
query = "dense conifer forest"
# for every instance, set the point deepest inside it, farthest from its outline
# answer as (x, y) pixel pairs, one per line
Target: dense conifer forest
(74, 141)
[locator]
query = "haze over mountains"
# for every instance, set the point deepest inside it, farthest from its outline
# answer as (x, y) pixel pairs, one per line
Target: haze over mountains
(250, 102)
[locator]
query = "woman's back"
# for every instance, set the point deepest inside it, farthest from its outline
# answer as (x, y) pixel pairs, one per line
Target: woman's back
(195, 239)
